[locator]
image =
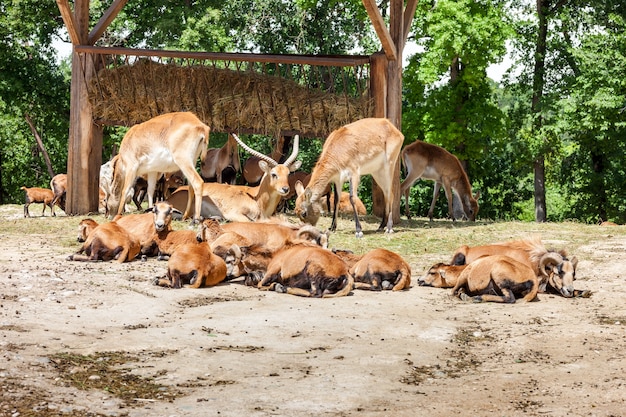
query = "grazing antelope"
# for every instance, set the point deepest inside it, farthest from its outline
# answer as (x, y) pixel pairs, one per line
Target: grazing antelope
(242, 203)
(432, 162)
(252, 173)
(166, 143)
(368, 146)
(218, 160)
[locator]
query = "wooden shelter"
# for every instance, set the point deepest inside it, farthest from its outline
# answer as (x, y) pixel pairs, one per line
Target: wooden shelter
(86, 117)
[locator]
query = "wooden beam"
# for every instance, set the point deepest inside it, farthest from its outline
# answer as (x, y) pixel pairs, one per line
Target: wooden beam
(69, 20)
(409, 14)
(105, 21)
(381, 29)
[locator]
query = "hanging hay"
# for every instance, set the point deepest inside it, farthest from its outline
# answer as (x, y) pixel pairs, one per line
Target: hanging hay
(227, 100)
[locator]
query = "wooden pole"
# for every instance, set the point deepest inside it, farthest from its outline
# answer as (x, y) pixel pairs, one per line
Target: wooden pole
(85, 138)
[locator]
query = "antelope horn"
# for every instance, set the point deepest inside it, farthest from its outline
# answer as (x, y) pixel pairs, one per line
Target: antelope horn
(255, 153)
(549, 258)
(308, 230)
(294, 152)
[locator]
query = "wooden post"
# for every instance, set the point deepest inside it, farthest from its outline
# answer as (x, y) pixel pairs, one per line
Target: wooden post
(378, 83)
(393, 103)
(85, 138)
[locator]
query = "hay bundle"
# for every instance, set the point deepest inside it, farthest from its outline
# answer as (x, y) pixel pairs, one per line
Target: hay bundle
(224, 99)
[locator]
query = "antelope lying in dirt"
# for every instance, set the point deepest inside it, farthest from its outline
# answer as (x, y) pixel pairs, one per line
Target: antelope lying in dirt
(307, 271)
(164, 144)
(553, 269)
(368, 146)
(108, 241)
(379, 269)
(242, 203)
(221, 160)
(432, 162)
(494, 278)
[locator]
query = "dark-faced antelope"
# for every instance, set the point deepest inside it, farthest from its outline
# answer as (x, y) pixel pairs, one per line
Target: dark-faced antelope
(368, 146)
(432, 162)
(166, 143)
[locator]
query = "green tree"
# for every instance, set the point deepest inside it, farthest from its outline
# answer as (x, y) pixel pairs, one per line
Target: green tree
(34, 86)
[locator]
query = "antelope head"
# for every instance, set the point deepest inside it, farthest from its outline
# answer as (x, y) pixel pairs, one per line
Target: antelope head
(559, 272)
(277, 174)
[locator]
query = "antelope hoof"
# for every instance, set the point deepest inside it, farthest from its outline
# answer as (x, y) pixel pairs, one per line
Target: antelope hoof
(280, 288)
(358, 234)
(386, 285)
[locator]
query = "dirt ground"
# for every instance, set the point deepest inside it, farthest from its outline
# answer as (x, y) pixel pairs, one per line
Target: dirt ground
(82, 339)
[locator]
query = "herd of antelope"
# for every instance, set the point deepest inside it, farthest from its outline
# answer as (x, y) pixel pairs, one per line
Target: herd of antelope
(239, 235)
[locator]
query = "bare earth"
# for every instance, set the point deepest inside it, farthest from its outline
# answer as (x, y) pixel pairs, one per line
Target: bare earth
(232, 350)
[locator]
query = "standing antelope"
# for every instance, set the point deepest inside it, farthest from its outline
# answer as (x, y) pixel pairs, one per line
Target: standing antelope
(166, 143)
(368, 146)
(432, 162)
(217, 160)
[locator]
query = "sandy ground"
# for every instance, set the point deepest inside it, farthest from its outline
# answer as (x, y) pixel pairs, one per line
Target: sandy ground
(232, 350)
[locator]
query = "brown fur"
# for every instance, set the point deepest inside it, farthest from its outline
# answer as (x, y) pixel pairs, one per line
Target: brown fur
(368, 146)
(166, 143)
(108, 241)
(85, 227)
(345, 207)
(438, 276)
(379, 269)
(308, 271)
(219, 159)
(252, 173)
(38, 195)
(432, 162)
(58, 185)
(194, 265)
(495, 278)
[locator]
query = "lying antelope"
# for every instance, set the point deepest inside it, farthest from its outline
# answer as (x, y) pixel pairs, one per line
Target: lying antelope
(432, 162)
(368, 146)
(252, 173)
(166, 143)
(242, 203)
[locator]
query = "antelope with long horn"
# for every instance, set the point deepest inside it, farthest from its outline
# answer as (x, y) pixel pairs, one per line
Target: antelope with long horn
(368, 146)
(244, 203)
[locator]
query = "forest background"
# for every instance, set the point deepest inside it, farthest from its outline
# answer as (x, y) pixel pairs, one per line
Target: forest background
(544, 143)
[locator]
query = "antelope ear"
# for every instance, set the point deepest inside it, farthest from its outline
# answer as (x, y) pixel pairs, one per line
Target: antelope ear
(295, 165)
(299, 188)
(307, 193)
(264, 165)
(477, 195)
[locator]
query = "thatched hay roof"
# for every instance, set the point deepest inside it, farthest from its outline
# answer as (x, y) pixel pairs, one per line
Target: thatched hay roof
(227, 100)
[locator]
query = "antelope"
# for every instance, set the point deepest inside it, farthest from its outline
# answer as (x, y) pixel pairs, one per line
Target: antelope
(163, 144)
(368, 146)
(432, 162)
(243, 203)
(58, 185)
(252, 173)
(219, 159)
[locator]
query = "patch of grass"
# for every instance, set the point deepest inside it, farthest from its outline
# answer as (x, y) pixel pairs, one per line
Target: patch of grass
(106, 371)
(618, 321)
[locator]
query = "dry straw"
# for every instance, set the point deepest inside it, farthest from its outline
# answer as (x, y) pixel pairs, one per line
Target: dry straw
(225, 99)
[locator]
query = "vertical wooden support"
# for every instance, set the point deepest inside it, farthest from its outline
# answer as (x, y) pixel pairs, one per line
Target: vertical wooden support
(85, 138)
(378, 83)
(393, 103)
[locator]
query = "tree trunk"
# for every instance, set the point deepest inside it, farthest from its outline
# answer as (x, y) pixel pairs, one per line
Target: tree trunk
(538, 83)
(597, 158)
(46, 157)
